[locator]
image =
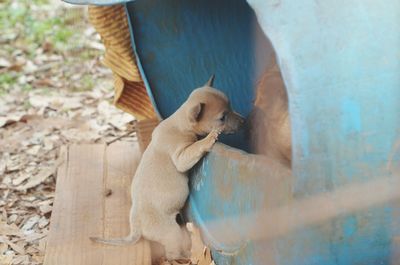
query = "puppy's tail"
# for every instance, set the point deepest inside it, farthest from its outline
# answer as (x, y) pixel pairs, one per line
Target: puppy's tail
(134, 235)
(131, 239)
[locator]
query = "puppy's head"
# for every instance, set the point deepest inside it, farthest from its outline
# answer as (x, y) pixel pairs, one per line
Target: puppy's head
(209, 108)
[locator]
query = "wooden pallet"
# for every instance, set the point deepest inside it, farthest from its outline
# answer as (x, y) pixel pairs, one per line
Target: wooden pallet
(92, 199)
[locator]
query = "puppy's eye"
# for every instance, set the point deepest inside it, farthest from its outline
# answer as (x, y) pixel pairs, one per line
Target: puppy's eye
(223, 117)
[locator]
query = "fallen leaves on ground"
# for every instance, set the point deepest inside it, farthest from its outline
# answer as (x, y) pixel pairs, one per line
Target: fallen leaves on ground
(51, 94)
(29, 160)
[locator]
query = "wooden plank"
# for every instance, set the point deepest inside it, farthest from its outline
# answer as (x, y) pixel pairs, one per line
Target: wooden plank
(122, 161)
(82, 209)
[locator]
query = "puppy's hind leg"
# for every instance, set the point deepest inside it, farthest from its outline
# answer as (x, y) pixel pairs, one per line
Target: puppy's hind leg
(171, 236)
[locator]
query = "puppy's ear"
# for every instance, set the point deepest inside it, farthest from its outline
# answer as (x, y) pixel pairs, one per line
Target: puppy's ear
(195, 112)
(210, 81)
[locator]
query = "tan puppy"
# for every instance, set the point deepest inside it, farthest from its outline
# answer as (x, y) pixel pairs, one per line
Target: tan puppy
(160, 185)
(270, 132)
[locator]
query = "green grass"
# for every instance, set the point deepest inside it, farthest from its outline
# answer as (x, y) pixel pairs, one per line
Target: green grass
(26, 87)
(26, 25)
(8, 78)
(34, 28)
(87, 83)
(6, 81)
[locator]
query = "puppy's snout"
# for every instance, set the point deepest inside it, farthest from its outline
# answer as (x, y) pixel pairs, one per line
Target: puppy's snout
(234, 122)
(241, 119)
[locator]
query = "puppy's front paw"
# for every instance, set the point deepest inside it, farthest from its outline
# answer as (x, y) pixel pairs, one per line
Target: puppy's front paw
(211, 138)
(214, 134)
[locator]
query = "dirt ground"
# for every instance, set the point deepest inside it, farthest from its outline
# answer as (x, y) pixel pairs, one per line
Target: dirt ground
(54, 91)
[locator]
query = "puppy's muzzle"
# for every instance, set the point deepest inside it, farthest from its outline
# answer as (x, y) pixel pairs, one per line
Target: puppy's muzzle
(233, 123)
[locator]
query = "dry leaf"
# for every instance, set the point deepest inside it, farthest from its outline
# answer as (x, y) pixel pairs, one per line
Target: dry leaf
(116, 118)
(71, 103)
(40, 177)
(30, 67)
(14, 117)
(47, 46)
(34, 150)
(39, 101)
(95, 45)
(31, 250)
(201, 255)
(20, 179)
(24, 259)
(45, 209)
(120, 121)
(4, 63)
(17, 66)
(2, 167)
(28, 225)
(15, 163)
(34, 237)
(205, 259)
(43, 222)
(16, 247)
(6, 259)
(38, 258)
(12, 218)
(48, 143)
(9, 230)
(3, 248)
